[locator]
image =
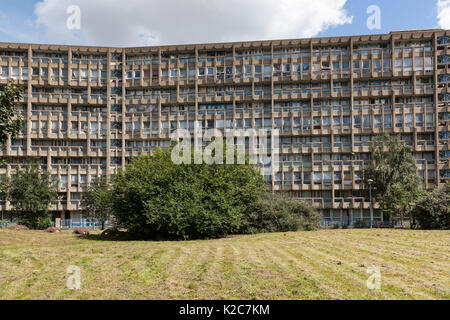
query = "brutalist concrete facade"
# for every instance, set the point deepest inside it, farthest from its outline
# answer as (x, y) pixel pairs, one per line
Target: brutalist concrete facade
(90, 109)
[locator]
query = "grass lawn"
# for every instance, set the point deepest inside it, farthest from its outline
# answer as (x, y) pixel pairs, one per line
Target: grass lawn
(326, 264)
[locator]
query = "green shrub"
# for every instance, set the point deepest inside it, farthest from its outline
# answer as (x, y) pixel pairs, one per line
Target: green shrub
(30, 192)
(432, 210)
(38, 223)
(278, 213)
(158, 199)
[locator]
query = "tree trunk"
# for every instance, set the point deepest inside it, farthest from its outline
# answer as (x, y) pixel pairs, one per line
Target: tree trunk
(402, 215)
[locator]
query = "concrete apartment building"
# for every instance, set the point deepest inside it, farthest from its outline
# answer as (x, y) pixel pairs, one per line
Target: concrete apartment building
(90, 109)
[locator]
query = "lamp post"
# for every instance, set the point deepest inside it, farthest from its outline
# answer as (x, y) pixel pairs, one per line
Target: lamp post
(370, 181)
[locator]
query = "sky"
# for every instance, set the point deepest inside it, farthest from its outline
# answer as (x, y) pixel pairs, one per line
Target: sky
(130, 23)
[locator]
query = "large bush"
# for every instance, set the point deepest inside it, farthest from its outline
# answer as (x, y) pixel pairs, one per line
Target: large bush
(159, 199)
(432, 210)
(279, 213)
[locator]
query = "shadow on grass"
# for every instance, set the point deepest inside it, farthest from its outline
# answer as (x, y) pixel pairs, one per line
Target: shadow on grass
(126, 236)
(120, 236)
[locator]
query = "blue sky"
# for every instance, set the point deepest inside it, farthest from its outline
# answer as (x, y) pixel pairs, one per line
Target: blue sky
(154, 22)
(395, 15)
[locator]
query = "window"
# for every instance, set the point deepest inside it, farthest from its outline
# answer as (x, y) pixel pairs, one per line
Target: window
(297, 177)
(34, 126)
(220, 72)
(366, 66)
(327, 178)
(388, 121)
(54, 126)
(419, 119)
(307, 177)
(428, 63)
(317, 177)
(173, 73)
(336, 65)
(84, 74)
(377, 121)
(44, 72)
(15, 73)
(94, 127)
(336, 120)
(4, 72)
(238, 72)
(398, 121)
(287, 179)
(63, 181)
(338, 178)
(377, 65)
(418, 64)
(25, 74)
(357, 121)
(74, 180)
(305, 67)
(74, 129)
(407, 64)
(94, 75)
(430, 120)
(409, 120)
(398, 65)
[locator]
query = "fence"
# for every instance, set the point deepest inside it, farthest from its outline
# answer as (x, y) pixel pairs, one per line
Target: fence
(4, 224)
(79, 223)
(364, 223)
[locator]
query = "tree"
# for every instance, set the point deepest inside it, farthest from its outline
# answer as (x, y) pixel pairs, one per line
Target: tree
(393, 171)
(97, 200)
(159, 199)
(30, 193)
(432, 209)
(10, 117)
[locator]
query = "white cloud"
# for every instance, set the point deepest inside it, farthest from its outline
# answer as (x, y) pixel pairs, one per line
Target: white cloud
(155, 22)
(444, 13)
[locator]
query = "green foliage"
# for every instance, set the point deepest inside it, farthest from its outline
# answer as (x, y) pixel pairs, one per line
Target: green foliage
(159, 199)
(97, 200)
(396, 184)
(432, 210)
(10, 118)
(30, 193)
(279, 213)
